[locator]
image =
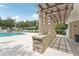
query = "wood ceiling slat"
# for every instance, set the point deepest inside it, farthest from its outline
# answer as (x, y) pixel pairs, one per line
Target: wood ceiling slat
(68, 12)
(47, 4)
(56, 11)
(51, 4)
(54, 15)
(70, 6)
(43, 5)
(57, 16)
(61, 7)
(53, 19)
(62, 15)
(49, 11)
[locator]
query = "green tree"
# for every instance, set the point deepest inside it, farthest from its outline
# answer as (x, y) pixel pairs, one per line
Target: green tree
(0, 22)
(8, 23)
(22, 25)
(60, 28)
(27, 24)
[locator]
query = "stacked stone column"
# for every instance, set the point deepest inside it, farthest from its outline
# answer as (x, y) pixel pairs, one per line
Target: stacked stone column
(46, 33)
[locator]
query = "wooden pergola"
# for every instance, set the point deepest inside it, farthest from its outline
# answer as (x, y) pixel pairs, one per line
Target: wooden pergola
(49, 14)
(58, 12)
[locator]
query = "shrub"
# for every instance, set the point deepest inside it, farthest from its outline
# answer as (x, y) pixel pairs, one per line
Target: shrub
(60, 28)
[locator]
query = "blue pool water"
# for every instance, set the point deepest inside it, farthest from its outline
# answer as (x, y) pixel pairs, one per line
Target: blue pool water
(5, 34)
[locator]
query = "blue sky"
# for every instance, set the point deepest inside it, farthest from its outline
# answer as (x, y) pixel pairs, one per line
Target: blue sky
(19, 11)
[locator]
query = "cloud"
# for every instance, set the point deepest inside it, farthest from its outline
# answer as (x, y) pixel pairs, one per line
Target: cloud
(3, 6)
(17, 18)
(3, 18)
(20, 18)
(33, 17)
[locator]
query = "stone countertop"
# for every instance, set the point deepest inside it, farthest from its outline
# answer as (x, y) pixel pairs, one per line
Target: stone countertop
(38, 36)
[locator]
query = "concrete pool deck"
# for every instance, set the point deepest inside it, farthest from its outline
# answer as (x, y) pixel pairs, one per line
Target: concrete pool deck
(21, 45)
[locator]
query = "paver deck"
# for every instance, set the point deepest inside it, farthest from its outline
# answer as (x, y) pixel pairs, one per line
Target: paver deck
(23, 46)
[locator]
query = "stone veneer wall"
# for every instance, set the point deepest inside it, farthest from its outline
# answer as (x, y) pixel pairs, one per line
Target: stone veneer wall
(73, 29)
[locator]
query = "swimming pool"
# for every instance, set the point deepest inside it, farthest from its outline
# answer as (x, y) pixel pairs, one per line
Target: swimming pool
(5, 34)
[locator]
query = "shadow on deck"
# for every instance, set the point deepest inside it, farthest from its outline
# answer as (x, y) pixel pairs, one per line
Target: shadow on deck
(61, 44)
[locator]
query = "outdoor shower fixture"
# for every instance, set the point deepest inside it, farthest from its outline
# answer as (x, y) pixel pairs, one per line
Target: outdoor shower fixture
(49, 15)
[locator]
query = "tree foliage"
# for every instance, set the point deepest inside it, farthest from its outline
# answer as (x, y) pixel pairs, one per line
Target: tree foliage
(26, 24)
(60, 28)
(0, 21)
(10, 23)
(22, 24)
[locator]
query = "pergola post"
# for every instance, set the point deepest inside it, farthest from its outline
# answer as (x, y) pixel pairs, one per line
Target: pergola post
(40, 29)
